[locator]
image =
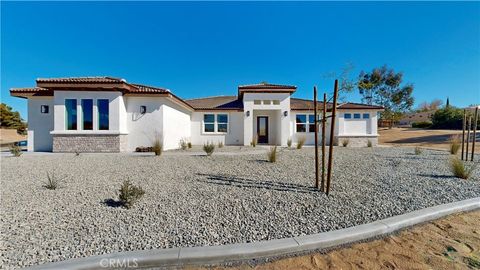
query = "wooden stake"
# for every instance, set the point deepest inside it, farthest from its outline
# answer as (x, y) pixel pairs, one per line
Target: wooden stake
(463, 132)
(332, 131)
(324, 142)
(316, 135)
(469, 124)
(474, 132)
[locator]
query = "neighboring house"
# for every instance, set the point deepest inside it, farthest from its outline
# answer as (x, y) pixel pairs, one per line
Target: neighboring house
(416, 117)
(104, 114)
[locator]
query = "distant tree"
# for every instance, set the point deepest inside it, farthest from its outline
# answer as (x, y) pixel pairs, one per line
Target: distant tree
(11, 119)
(430, 106)
(383, 86)
(448, 103)
(346, 84)
(448, 118)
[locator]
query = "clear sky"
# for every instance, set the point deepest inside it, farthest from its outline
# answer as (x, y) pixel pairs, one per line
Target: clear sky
(209, 48)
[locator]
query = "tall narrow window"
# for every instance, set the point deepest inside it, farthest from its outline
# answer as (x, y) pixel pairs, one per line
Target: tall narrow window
(102, 105)
(71, 114)
(311, 123)
(301, 123)
(208, 123)
(222, 123)
(87, 114)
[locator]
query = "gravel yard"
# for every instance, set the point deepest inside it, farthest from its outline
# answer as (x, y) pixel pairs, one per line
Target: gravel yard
(197, 200)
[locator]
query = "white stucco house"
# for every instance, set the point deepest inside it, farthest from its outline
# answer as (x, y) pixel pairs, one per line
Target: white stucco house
(104, 114)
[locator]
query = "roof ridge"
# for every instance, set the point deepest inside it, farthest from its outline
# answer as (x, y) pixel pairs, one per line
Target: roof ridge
(212, 97)
(149, 86)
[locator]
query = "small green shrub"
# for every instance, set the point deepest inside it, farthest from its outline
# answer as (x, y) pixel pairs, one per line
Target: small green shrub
(424, 124)
(254, 141)
(209, 147)
(369, 143)
(129, 194)
(418, 150)
(301, 141)
(460, 169)
(454, 144)
(272, 154)
(345, 142)
(183, 144)
(189, 145)
(52, 181)
(220, 145)
(15, 150)
(289, 142)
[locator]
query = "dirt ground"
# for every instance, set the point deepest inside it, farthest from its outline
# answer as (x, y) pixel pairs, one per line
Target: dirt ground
(449, 243)
(8, 136)
(428, 138)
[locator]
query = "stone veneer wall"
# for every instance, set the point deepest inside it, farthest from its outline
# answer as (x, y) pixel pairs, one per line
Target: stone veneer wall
(356, 141)
(103, 143)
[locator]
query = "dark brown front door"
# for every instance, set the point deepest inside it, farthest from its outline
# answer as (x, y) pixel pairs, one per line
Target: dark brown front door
(262, 129)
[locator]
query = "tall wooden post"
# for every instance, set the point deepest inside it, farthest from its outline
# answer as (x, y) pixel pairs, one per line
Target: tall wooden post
(332, 132)
(469, 124)
(463, 132)
(475, 119)
(316, 135)
(324, 142)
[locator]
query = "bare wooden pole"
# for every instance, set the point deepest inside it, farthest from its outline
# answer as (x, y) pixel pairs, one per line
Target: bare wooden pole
(475, 119)
(324, 142)
(463, 132)
(317, 180)
(469, 124)
(332, 131)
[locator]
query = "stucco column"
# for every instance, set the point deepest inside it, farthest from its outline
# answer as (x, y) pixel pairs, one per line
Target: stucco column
(284, 127)
(247, 123)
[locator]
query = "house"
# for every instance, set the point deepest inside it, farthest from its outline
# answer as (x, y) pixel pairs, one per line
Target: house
(105, 114)
(416, 117)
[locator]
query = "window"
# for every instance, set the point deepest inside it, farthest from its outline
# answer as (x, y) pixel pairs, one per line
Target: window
(102, 106)
(366, 116)
(311, 123)
(276, 102)
(71, 114)
(267, 102)
(257, 102)
(301, 122)
(209, 123)
(143, 109)
(356, 116)
(222, 123)
(87, 114)
(347, 116)
(44, 108)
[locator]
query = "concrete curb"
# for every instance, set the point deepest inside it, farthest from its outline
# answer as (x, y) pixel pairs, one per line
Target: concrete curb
(177, 257)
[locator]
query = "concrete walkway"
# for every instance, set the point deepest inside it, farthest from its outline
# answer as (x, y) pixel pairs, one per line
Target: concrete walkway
(177, 257)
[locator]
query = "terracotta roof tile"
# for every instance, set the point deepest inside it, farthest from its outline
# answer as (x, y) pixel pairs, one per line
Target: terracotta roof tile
(140, 88)
(81, 80)
(266, 86)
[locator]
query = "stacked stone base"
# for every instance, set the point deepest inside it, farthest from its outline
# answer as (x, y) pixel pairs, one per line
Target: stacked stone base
(89, 143)
(356, 141)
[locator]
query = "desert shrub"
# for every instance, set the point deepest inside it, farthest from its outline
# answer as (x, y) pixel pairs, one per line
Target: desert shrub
(301, 141)
(447, 118)
(460, 169)
(189, 145)
(417, 150)
(157, 146)
(454, 144)
(129, 194)
(272, 154)
(254, 141)
(209, 147)
(52, 181)
(424, 124)
(220, 145)
(15, 150)
(345, 142)
(183, 144)
(369, 143)
(289, 142)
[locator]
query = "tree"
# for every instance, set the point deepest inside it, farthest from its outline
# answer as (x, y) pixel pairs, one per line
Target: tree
(448, 118)
(11, 119)
(383, 86)
(430, 106)
(345, 83)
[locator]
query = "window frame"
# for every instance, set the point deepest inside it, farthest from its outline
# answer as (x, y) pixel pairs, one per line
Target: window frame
(307, 123)
(366, 114)
(83, 113)
(357, 116)
(74, 113)
(216, 123)
(99, 114)
(349, 116)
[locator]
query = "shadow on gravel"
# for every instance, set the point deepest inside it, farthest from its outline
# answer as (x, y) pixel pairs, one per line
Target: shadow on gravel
(437, 175)
(112, 203)
(249, 183)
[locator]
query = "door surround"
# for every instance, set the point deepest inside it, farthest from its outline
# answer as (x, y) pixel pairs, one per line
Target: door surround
(262, 139)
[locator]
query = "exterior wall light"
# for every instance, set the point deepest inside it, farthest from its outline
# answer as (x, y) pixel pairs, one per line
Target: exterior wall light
(143, 109)
(248, 113)
(285, 113)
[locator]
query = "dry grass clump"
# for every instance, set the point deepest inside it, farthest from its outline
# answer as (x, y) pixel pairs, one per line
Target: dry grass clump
(129, 194)
(418, 150)
(157, 146)
(301, 141)
(460, 169)
(254, 141)
(345, 142)
(52, 181)
(369, 143)
(220, 144)
(183, 144)
(289, 142)
(454, 144)
(272, 154)
(15, 150)
(209, 147)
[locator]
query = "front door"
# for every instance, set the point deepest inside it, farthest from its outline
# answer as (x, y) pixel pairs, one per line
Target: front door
(262, 129)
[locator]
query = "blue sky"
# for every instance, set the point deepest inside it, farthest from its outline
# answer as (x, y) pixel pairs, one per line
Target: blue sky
(209, 48)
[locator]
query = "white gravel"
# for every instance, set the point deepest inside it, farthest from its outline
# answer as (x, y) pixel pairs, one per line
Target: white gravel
(197, 200)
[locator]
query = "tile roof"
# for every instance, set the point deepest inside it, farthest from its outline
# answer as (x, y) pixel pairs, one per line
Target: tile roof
(140, 88)
(216, 103)
(30, 91)
(266, 86)
(306, 104)
(100, 79)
